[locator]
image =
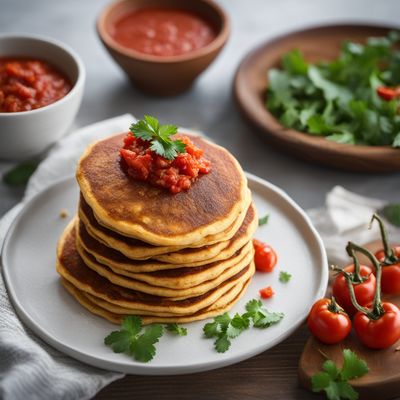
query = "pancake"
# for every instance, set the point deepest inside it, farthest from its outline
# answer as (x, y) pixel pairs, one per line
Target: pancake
(182, 283)
(92, 305)
(72, 268)
(139, 250)
(122, 265)
(153, 215)
(221, 302)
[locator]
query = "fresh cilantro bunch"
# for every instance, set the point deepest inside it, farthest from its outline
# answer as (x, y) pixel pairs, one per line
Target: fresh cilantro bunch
(137, 342)
(334, 381)
(338, 99)
(159, 136)
(224, 328)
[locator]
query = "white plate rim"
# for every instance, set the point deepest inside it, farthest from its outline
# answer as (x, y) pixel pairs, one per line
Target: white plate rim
(147, 369)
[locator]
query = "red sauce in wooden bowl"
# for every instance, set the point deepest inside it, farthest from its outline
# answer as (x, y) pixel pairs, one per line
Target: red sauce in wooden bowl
(27, 84)
(162, 32)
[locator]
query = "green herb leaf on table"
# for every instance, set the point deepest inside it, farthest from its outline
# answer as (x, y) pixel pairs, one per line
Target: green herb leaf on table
(134, 340)
(159, 136)
(284, 276)
(263, 220)
(176, 329)
(335, 382)
(392, 213)
(20, 174)
(338, 99)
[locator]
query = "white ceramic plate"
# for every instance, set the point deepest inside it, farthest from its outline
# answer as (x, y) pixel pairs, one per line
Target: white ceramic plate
(28, 258)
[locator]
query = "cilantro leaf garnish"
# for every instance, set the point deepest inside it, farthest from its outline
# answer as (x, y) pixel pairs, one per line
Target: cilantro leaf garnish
(176, 329)
(224, 328)
(263, 220)
(284, 276)
(335, 382)
(260, 316)
(135, 341)
(159, 136)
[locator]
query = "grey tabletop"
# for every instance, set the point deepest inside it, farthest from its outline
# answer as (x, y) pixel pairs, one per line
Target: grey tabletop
(209, 105)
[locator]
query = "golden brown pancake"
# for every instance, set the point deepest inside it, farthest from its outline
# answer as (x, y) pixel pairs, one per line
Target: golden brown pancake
(153, 215)
(92, 304)
(225, 299)
(182, 283)
(139, 250)
(122, 265)
(72, 268)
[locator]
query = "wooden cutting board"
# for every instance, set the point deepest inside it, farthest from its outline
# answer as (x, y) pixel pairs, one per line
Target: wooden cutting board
(383, 379)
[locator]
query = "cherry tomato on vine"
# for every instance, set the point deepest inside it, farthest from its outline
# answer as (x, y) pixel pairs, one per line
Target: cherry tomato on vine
(364, 290)
(378, 333)
(390, 273)
(328, 322)
(265, 257)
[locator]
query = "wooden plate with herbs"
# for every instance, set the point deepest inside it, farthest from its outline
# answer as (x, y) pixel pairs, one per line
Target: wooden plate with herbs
(328, 110)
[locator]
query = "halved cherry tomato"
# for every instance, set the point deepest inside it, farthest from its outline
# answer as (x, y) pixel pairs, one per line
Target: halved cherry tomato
(364, 290)
(265, 257)
(390, 273)
(266, 292)
(328, 322)
(386, 93)
(378, 333)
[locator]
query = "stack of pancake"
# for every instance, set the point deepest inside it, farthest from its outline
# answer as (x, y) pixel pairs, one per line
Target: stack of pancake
(135, 249)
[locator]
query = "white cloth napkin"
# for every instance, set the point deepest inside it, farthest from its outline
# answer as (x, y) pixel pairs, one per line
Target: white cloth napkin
(30, 369)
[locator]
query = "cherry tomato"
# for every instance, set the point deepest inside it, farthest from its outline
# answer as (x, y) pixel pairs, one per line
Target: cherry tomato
(328, 322)
(378, 333)
(364, 291)
(265, 257)
(390, 273)
(386, 93)
(266, 292)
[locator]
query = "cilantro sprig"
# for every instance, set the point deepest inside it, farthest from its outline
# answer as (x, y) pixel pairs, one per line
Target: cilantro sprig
(159, 136)
(176, 329)
(139, 342)
(224, 328)
(334, 381)
(284, 276)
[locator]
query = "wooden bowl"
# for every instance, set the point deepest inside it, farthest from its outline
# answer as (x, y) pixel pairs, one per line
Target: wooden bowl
(317, 44)
(164, 75)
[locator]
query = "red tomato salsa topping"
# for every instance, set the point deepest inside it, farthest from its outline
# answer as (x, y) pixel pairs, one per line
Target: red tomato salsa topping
(27, 84)
(162, 31)
(175, 175)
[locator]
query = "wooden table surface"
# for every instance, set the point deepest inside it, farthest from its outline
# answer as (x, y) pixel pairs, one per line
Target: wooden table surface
(271, 375)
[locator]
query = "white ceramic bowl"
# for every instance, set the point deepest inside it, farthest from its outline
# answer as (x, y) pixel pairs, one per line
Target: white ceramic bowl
(28, 133)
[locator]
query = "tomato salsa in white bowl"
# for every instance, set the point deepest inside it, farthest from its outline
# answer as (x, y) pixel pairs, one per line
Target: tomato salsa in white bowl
(163, 45)
(41, 87)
